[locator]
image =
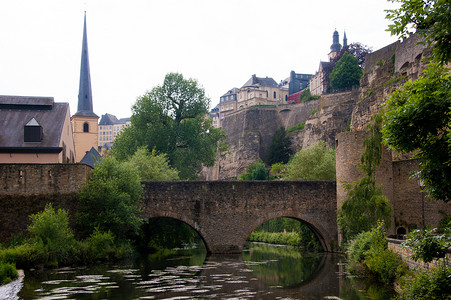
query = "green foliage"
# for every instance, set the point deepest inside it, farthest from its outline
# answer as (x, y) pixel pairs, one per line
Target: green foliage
(372, 155)
(8, 273)
(314, 111)
(346, 73)
(427, 244)
(365, 204)
(166, 233)
(171, 119)
(368, 254)
(110, 200)
(434, 283)
(279, 150)
(256, 171)
(313, 163)
(418, 119)
(431, 20)
(100, 246)
(152, 166)
(307, 96)
(51, 229)
(299, 126)
(277, 171)
(25, 256)
(279, 238)
(395, 79)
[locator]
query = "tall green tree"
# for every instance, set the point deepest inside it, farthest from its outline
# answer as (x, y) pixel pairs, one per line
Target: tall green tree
(110, 200)
(316, 162)
(152, 166)
(430, 18)
(346, 73)
(279, 150)
(418, 119)
(171, 119)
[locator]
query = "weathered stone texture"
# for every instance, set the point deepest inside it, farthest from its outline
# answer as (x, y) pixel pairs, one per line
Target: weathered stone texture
(29, 179)
(225, 213)
(334, 113)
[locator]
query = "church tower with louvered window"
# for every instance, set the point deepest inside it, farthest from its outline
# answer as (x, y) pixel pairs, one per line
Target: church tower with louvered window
(84, 121)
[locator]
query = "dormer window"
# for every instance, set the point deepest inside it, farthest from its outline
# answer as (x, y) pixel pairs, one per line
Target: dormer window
(32, 131)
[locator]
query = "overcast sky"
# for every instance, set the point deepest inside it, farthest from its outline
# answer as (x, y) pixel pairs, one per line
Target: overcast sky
(134, 44)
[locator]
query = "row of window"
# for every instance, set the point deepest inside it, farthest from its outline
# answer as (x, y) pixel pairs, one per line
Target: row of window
(227, 106)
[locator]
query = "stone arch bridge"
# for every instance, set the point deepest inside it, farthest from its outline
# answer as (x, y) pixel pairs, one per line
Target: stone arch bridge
(224, 213)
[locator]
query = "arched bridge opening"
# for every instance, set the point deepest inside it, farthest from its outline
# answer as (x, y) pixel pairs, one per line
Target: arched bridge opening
(224, 213)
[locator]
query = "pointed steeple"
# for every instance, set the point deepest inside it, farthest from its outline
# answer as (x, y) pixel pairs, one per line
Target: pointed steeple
(345, 40)
(84, 91)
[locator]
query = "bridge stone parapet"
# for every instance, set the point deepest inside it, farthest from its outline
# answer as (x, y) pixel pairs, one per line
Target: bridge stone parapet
(224, 213)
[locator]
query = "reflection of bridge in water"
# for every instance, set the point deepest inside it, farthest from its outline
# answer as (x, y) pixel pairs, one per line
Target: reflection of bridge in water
(224, 213)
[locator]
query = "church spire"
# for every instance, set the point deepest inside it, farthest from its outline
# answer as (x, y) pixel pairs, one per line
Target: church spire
(335, 43)
(84, 91)
(345, 40)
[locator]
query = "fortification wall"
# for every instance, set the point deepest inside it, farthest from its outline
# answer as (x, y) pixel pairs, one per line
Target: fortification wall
(29, 179)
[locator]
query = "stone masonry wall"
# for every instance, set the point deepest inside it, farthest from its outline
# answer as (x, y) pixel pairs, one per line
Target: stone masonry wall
(25, 189)
(29, 179)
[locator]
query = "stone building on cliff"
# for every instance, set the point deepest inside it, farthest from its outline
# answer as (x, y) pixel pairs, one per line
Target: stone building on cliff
(261, 91)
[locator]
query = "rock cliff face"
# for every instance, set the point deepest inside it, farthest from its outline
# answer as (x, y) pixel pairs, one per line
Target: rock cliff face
(250, 131)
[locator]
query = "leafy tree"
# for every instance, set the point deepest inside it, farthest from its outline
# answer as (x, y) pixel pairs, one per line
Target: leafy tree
(152, 166)
(313, 163)
(171, 119)
(279, 150)
(357, 50)
(427, 244)
(430, 18)
(365, 203)
(256, 171)
(307, 96)
(418, 119)
(110, 200)
(346, 72)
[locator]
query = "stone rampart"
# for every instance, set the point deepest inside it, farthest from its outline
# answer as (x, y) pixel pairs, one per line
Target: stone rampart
(30, 179)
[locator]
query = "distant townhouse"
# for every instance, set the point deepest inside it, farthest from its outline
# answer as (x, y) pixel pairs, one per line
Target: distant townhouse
(109, 128)
(227, 104)
(35, 130)
(214, 115)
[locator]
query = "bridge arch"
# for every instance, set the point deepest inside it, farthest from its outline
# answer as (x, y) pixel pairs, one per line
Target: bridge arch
(226, 212)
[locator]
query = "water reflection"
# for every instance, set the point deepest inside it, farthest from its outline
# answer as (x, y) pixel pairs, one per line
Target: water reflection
(261, 272)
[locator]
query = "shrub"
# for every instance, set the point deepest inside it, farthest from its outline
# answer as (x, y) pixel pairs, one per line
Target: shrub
(434, 283)
(289, 238)
(8, 273)
(255, 171)
(24, 256)
(100, 246)
(299, 126)
(368, 254)
(426, 244)
(51, 229)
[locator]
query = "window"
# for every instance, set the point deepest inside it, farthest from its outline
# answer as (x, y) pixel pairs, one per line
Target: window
(275, 95)
(231, 106)
(85, 127)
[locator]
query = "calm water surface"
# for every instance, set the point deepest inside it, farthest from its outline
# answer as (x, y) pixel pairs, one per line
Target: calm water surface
(261, 272)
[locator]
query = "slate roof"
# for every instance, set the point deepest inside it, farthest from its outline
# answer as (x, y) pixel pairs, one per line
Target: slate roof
(123, 121)
(17, 111)
(108, 119)
(259, 81)
(91, 157)
(84, 90)
(231, 92)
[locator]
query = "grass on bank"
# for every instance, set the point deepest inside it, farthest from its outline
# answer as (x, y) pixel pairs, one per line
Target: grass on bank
(52, 243)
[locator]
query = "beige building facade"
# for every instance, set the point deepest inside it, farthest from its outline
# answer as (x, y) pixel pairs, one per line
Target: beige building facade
(35, 130)
(261, 91)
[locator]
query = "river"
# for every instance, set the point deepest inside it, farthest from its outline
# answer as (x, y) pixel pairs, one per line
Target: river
(260, 272)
